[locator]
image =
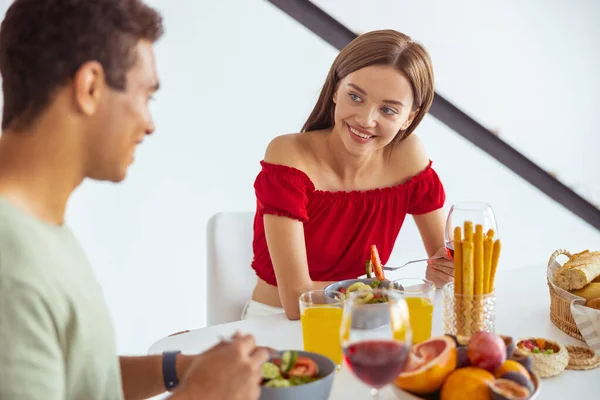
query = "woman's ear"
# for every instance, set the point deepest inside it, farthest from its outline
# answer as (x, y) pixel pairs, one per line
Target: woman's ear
(336, 89)
(411, 118)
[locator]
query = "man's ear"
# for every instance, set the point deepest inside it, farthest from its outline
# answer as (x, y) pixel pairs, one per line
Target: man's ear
(88, 87)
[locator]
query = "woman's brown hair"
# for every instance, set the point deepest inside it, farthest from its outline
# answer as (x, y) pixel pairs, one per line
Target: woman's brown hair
(384, 47)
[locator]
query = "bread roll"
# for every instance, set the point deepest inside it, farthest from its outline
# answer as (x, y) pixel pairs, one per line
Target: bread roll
(589, 291)
(578, 271)
(594, 303)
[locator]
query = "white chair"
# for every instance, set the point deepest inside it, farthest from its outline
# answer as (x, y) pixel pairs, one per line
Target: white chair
(230, 278)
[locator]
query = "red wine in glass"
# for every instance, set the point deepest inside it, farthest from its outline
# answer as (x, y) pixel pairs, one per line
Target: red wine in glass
(376, 362)
(475, 212)
(450, 249)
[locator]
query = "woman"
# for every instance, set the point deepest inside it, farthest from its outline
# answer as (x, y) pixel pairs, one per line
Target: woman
(347, 181)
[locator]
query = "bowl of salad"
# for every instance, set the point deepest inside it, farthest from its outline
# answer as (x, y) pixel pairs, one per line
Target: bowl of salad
(364, 288)
(295, 374)
(375, 279)
(367, 294)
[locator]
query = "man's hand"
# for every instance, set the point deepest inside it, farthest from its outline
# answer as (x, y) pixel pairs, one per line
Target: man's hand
(440, 271)
(229, 370)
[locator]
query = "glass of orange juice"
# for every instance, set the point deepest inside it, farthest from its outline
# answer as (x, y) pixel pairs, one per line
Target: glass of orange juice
(419, 295)
(321, 319)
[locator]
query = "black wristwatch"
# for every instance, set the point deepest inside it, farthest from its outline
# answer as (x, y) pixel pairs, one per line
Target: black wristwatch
(169, 370)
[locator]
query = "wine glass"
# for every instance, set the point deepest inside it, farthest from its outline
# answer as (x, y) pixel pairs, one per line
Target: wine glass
(376, 336)
(477, 212)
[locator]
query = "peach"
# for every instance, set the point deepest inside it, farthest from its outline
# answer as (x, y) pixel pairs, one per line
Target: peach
(486, 350)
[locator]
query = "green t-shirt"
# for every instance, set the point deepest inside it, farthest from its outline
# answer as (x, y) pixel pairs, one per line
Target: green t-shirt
(56, 335)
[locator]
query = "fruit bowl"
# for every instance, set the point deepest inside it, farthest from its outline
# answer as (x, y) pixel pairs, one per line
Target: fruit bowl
(479, 367)
(403, 395)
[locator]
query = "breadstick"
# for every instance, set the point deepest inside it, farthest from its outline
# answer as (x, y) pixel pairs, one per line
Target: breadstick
(467, 264)
(488, 245)
(495, 258)
(488, 258)
(467, 267)
(478, 260)
(459, 320)
(457, 260)
(468, 231)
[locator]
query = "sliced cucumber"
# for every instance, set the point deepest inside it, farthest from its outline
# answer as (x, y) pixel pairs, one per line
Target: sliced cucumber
(288, 360)
(369, 268)
(270, 371)
(301, 380)
(364, 297)
(357, 286)
(278, 383)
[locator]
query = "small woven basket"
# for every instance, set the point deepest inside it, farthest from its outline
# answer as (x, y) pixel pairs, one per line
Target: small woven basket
(548, 365)
(560, 306)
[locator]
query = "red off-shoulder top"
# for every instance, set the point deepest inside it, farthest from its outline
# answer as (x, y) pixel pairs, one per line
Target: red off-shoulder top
(339, 227)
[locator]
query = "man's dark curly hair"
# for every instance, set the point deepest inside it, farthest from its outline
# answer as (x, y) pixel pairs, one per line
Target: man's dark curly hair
(44, 42)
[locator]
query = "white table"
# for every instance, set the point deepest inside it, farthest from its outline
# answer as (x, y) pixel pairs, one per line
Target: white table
(523, 306)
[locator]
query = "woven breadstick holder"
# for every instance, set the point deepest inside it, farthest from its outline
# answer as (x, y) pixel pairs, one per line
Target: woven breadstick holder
(548, 365)
(465, 315)
(568, 311)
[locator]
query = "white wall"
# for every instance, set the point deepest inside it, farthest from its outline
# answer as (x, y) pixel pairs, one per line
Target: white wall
(230, 81)
(525, 67)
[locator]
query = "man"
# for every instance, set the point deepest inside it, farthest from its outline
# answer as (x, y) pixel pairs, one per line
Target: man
(77, 79)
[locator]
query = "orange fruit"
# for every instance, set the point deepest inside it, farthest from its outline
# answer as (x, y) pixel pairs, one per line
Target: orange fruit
(467, 383)
(428, 366)
(511, 366)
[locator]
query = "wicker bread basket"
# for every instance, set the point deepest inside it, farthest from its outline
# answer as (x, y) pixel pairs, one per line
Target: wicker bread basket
(560, 306)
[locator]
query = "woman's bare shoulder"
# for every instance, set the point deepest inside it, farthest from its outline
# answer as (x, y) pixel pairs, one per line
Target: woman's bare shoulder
(409, 157)
(293, 150)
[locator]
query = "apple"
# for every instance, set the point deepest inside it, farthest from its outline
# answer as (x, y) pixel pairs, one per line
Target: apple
(486, 350)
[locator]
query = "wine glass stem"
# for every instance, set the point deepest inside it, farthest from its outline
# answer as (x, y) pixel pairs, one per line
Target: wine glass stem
(375, 394)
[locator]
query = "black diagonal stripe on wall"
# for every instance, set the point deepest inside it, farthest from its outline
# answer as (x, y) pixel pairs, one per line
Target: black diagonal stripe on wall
(338, 36)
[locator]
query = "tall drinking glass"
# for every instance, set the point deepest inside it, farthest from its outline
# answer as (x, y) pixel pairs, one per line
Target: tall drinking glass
(376, 338)
(321, 318)
(419, 295)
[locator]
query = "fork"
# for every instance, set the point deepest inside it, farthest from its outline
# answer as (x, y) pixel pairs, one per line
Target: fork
(411, 262)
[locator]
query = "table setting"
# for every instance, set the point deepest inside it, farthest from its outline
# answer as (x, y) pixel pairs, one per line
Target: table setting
(485, 335)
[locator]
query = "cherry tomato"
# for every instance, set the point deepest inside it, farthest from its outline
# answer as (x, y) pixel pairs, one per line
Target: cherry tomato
(376, 261)
(304, 367)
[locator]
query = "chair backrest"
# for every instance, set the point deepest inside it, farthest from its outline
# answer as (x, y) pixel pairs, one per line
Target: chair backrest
(230, 279)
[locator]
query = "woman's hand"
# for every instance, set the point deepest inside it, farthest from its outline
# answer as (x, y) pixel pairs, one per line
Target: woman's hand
(440, 271)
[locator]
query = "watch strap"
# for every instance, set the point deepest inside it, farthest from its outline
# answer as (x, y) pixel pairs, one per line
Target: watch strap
(169, 371)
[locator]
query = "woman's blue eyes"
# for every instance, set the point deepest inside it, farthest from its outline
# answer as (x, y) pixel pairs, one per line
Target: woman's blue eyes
(386, 110)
